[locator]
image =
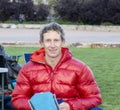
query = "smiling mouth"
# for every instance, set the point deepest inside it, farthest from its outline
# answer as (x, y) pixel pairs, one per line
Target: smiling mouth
(53, 51)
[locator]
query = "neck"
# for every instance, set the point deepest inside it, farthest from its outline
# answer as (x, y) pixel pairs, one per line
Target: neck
(52, 61)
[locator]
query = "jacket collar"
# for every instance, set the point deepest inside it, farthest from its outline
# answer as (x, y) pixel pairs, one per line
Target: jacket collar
(38, 56)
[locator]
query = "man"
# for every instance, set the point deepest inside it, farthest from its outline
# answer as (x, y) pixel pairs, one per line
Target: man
(53, 69)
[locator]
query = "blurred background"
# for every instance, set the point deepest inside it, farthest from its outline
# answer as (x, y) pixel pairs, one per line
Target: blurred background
(93, 12)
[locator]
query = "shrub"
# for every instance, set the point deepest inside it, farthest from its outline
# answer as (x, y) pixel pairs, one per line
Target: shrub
(91, 12)
(41, 12)
(113, 11)
(68, 9)
(4, 10)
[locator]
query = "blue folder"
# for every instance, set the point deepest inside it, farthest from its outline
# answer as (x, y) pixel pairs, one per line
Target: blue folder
(43, 101)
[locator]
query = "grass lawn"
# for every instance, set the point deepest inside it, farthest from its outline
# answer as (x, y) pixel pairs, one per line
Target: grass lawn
(105, 63)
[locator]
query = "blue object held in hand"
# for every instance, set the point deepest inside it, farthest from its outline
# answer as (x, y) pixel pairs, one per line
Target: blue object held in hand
(43, 101)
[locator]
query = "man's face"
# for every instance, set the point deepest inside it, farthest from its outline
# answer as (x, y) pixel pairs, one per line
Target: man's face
(52, 43)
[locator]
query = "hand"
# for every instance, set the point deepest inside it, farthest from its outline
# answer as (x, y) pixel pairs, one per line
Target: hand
(64, 106)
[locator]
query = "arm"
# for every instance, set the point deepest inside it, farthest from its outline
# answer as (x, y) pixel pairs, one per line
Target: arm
(89, 91)
(22, 92)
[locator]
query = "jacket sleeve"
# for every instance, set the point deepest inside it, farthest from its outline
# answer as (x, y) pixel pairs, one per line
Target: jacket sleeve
(21, 93)
(88, 90)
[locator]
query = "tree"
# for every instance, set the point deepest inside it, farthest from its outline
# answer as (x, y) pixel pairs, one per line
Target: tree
(4, 10)
(26, 9)
(91, 12)
(42, 11)
(68, 9)
(113, 12)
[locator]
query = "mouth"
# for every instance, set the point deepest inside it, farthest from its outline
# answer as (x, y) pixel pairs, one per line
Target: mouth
(53, 50)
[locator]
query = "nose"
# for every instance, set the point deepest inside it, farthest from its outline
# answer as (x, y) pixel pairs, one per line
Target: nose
(52, 44)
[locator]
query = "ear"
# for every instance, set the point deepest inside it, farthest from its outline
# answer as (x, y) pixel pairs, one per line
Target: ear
(63, 43)
(41, 43)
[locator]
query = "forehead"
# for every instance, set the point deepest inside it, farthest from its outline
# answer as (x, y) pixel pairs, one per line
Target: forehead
(52, 34)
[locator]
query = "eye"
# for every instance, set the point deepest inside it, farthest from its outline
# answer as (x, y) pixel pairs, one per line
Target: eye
(47, 40)
(56, 40)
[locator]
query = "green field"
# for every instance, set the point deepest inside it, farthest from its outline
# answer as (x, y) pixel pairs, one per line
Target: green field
(105, 63)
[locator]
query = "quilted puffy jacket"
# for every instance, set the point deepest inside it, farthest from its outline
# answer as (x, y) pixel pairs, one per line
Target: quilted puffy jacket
(71, 80)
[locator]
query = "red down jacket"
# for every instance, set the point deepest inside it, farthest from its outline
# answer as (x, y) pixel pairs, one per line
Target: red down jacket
(71, 80)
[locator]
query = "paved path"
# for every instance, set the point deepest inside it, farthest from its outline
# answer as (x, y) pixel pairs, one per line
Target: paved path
(73, 36)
